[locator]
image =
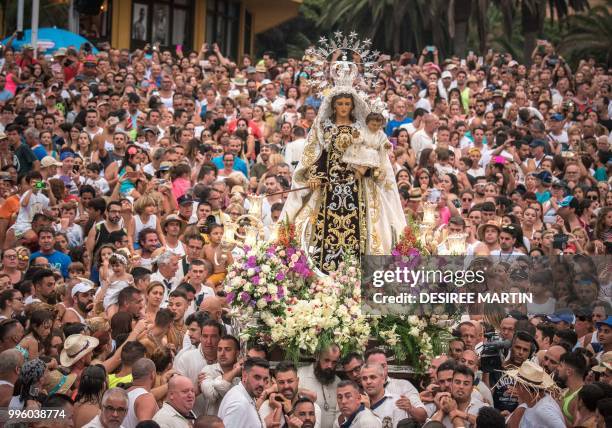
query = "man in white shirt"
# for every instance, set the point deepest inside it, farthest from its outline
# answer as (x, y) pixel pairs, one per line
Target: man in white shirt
(270, 102)
(191, 363)
(238, 408)
(295, 148)
(409, 399)
(167, 267)
(353, 414)
(507, 241)
(114, 408)
(288, 384)
(423, 138)
(460, 403)
(320, 377)
(537, 408)
(177, 409)
(382, 403)
(222, 375)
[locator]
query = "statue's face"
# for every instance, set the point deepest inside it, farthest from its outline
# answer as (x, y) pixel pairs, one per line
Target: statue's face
(343, 107)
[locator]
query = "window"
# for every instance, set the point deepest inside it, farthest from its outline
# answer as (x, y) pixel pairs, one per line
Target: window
(222, 25)
(168, 23)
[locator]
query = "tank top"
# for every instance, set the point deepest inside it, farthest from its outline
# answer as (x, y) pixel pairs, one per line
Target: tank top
(131, 420)
(139, 225)
(566, 404)
(77, 314)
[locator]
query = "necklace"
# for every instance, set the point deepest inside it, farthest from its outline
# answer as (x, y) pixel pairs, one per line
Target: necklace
(325, 405)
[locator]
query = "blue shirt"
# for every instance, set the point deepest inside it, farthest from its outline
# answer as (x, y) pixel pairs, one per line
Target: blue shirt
(239, 164)
(57, 260)
(394, 124)
(39, 152)
(542, 197)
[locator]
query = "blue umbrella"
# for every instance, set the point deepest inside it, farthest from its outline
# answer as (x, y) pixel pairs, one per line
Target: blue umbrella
(51, 39)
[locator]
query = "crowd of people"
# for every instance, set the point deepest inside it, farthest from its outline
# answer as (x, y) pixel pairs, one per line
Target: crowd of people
(119, 170)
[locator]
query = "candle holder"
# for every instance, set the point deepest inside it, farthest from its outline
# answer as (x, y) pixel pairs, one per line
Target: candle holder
(456, 243)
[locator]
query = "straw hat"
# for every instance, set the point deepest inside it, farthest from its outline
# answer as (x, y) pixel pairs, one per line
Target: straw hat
(76, 347)
(605, 364)
(532, 376)
(481, 229)
(58, 383)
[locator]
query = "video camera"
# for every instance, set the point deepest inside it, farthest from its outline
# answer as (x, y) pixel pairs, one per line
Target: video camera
(493, 353)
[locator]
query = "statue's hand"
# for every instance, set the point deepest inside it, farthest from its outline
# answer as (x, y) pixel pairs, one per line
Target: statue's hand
(314, 183)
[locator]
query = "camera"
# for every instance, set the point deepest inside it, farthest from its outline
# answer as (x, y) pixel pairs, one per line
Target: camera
(40, 185)
(493, 353)
(210, 220)
(560, 241)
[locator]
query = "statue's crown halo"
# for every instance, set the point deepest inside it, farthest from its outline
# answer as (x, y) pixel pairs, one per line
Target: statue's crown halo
(331, 61)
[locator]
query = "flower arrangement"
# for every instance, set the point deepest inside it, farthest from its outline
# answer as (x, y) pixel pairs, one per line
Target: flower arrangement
(331, 313)
(411, 339)
(276, 299)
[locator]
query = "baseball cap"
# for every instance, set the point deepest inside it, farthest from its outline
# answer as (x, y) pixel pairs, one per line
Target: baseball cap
(251, 70)
(544, 177)
(3, 136)
(447, 74)
(607, 321)
(81, 287)
(565, 202)
(185, 199)
(165, 166)
(564, 316)
(48, 161)
(557, 117)
(537, 143)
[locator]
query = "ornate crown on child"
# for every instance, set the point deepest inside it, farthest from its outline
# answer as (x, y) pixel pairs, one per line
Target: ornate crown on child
(377, 105)
(344, 73)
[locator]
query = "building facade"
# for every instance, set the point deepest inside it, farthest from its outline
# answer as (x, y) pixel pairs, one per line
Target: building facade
(232, 24)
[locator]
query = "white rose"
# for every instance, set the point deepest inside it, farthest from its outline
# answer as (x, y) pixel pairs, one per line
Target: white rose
(265, 268)
(250, 272)
(272, 289)
(261, 303)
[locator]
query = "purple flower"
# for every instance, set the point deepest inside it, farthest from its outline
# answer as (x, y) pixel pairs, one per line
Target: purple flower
(281, 292)
(245, 297)
(280, 276)
(251, 262)
(271, 250)
(255, 280)
(230, 297)
(267, 298)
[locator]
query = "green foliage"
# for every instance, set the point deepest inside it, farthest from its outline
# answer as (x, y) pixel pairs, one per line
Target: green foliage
(589, 34)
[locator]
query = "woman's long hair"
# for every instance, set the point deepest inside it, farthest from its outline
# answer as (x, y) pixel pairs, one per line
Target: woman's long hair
(92, 385)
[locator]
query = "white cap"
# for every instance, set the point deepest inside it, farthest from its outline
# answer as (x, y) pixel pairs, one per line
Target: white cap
(265, 82)
(81, 287)
(446, 74)
(48, 161)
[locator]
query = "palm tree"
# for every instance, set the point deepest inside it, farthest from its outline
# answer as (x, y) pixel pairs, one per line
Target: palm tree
(533, 15)
(590, 34)
(393, 25)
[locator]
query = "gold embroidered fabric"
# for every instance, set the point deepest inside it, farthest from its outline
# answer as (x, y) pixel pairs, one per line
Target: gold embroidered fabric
(340, 225)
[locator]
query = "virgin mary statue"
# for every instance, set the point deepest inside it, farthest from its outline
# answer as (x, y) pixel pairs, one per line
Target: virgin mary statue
(343, 207)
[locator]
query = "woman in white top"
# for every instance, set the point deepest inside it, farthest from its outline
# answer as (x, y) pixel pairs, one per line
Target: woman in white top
(145, 208)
